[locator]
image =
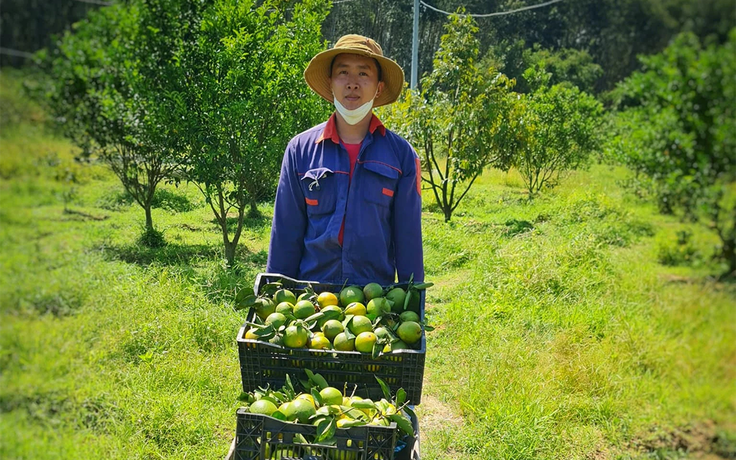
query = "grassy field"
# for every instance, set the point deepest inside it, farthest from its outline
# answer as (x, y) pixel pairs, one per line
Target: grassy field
(559, 334)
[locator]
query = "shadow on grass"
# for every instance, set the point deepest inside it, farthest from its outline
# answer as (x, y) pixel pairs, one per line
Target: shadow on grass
(169, 254)
(172, 254)
(254, 223)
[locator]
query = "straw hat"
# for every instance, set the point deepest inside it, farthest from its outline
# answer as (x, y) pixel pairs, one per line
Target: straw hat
(317, 72)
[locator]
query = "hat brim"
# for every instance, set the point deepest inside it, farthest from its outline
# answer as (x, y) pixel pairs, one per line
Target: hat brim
(317, 75)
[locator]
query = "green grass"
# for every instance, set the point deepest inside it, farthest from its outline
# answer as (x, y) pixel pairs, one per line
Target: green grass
(559, 332)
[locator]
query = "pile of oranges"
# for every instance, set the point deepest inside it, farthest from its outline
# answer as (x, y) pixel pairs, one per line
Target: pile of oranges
(368, 319)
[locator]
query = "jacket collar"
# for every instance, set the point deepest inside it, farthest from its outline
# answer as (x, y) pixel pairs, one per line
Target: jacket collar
(330, 131)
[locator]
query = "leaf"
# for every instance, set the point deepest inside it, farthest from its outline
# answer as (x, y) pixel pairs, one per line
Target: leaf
(403, 423)
(320, 381)
(363, 404)
(400, 397)
(348, 333)
(316, 396)
(315, 317)
(325, 429)
(384, 388)
(288, 387)
(310, 376)
(270, 288)
(422, 286)
(247, 301)
(352, 423)
(243, 293)
(377, 348)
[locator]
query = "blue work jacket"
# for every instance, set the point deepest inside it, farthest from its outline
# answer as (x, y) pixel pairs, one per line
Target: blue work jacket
(381, 205)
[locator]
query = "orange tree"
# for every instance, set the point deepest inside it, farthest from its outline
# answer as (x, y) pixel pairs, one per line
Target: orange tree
(676, 130)
(455, 122)
(97, 92)
(237, 96)
(555, 130)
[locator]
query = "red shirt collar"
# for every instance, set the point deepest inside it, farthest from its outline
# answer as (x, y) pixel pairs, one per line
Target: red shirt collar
(330, 131)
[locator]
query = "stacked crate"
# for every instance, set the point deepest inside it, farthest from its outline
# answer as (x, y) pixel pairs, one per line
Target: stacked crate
(260, 437)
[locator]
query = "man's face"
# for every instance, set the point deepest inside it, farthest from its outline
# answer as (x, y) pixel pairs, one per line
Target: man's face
(354, 80)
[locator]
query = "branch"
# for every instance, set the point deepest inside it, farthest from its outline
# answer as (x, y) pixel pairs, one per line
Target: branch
(466, 190)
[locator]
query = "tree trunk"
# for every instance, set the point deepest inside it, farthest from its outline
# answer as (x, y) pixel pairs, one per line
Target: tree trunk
(149, 219)
(253, 212)
(229, 251)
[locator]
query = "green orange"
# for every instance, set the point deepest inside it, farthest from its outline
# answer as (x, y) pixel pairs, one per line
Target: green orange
(284, 295)
(410, 332)
(331, 328)
(372, 290)
(303, 309)
(360, 324)
(330, 396)
(351, 294)
(263, 407)
(296, 336)
(398, 297)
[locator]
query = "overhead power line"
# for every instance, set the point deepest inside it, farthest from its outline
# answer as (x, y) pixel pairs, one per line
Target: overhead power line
(96, 2)
(500, 13)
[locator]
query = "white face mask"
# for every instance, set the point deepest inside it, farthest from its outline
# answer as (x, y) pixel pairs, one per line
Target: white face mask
(352, 117)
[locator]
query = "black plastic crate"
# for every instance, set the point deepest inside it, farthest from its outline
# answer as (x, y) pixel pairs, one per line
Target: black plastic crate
(263, 363)
(260, 437)
(248, 438)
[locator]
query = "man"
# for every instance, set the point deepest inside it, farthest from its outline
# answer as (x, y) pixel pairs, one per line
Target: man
(348, 204)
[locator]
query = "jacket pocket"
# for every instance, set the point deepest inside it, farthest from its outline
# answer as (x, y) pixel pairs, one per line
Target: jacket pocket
(320, 191)
(380, 183)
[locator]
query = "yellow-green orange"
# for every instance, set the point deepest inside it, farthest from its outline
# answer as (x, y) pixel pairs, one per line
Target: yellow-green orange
(296, 336)
(250, 334)
(410, 332)
(285, 308)
(263, 407)
(372, 290)
(377, 307)
(364, 342)
(307, 397)
(319, 342)
(330, 396)
(351, 294)
(360, 324)
(327, 298)
(284, 295)
(331, 328)
(342, 343)
(355, 308)
(303, 309)
(276, 320)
